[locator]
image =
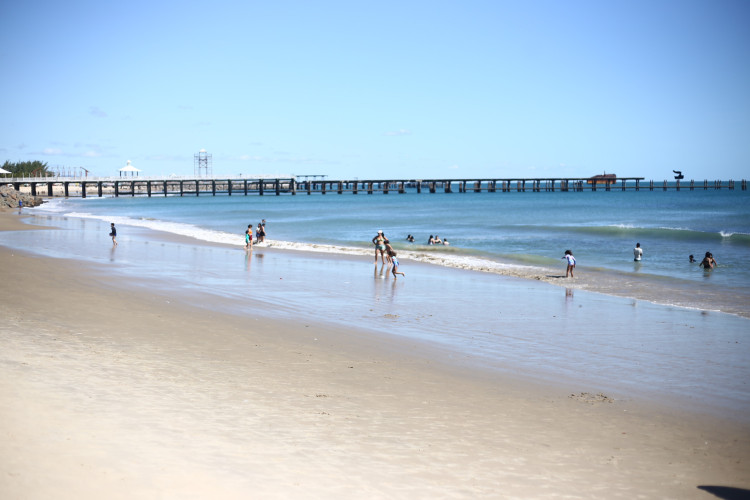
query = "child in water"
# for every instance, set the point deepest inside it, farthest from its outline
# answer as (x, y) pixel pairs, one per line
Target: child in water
(571, 263)
(394, 261)
(249, 237)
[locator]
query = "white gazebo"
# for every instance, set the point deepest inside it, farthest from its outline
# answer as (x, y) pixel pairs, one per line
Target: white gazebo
(129, 169)
(3, 171)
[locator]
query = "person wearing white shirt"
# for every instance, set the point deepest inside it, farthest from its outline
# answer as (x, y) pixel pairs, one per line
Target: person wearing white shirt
(637, 252)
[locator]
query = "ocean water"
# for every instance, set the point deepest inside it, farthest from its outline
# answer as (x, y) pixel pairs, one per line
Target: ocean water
(521, 234)
(650, 330)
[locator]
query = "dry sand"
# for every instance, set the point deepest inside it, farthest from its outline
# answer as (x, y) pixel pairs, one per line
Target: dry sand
(105, 393)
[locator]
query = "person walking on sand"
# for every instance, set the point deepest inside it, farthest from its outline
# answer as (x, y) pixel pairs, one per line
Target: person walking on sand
(571, 263)
(113, 234)
(637, 252)
(379, 242)
(394, 261)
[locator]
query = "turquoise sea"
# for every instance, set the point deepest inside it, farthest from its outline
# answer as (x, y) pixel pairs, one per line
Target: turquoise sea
(516, 233)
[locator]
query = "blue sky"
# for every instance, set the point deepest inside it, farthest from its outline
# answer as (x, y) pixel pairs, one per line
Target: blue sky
(380, 89)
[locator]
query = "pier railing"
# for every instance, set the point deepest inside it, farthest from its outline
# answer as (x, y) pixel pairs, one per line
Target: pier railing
(263, 185)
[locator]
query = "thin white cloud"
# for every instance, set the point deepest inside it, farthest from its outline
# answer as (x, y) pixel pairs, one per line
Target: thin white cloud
(167, 157)
(398, 132)
(52, 152)
(95, 111)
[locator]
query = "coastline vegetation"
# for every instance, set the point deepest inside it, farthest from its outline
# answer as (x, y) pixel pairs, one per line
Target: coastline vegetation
(34, 168)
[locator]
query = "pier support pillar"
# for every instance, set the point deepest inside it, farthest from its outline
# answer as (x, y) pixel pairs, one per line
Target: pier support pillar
(83, 189)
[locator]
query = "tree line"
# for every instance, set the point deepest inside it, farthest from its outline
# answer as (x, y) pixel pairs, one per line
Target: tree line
(34, 168)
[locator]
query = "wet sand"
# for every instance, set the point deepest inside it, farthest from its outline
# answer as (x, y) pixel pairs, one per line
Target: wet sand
(111, 390)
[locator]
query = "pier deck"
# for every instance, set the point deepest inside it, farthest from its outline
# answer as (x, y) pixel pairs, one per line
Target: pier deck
(83, 187)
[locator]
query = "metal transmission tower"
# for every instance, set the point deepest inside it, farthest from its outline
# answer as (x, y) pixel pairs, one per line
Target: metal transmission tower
(203, 164)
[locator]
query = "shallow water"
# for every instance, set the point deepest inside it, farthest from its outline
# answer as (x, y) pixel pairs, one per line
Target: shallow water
(597, 342)
(520, 234)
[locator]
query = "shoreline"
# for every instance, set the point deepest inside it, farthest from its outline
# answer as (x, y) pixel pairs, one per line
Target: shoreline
(107, 392)
(164, 263)
(672, 292)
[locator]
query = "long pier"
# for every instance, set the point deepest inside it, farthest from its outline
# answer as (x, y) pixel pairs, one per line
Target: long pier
(84, 187)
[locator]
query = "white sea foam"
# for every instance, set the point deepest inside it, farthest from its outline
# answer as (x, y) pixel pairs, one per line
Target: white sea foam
(466, 262)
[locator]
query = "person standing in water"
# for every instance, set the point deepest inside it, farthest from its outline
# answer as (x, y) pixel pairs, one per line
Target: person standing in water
(637, 252)
(249, 237)
(571, 263)
(260, 233)
(708, 261)
(113, 234)
(379, 242)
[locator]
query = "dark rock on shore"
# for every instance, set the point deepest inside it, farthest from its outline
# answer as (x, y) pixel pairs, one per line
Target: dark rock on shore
(9, 198)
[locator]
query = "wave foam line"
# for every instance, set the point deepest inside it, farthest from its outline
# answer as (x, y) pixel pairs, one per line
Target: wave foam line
(222, 237)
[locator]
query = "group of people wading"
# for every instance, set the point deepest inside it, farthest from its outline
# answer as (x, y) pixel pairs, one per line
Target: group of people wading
(383, 246)
(260, 234)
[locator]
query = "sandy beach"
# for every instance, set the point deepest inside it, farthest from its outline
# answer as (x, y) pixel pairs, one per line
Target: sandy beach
(108, 393)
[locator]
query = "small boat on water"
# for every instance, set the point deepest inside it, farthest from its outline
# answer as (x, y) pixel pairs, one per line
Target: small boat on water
(604, 178)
